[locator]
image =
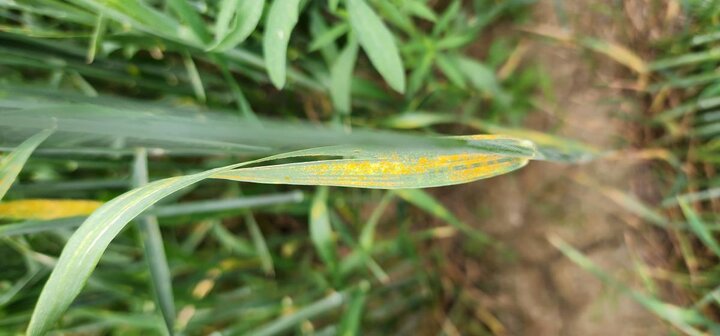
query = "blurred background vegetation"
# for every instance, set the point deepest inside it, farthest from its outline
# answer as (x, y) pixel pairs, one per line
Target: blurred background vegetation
(619, 238)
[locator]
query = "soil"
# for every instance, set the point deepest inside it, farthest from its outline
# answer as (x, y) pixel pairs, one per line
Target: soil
(542, 292)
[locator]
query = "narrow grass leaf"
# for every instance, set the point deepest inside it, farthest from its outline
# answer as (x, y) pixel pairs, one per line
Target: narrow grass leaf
(341, 75)
(194, 76)
(281, 21)
(481, 77)
(325, 305)
(154, 251)
(140, 16)
(450, 69)
(699, 228)
(85, 247)
(428, 203)
(35, 226)
(225, 13)
(549, 147)
(350, 323)
(420, 73)
(231, 242)
(377, 41)
(319, 27)
(703, 195)
(245, 15)
(261, 247)
(96, 38)
(617, 52)
(367, 235)
(12, 164)
(228, 204)
(328, 36)
(447, 17)
(321, 232)
(690, 58)
(636, 206)
(190, 16)
(421, 10)
(47, 209)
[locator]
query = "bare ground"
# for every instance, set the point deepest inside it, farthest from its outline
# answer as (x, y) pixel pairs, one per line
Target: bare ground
(543, 293)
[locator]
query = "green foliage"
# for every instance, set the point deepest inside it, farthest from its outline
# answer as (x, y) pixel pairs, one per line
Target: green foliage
(11, 164)
(182, 80)
(378, 43)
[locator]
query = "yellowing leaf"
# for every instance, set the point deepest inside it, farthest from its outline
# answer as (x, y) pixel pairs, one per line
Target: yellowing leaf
(397, 169)
(47, 209)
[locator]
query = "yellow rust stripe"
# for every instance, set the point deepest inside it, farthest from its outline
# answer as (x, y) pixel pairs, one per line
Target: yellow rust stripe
(46, 209)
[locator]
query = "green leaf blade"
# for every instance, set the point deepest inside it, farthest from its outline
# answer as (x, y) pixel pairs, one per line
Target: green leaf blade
(699, 228)
(11, 165)
(85, 247)
(154, 250)
(341, 77)
(321, 233)
(377, 41)
(229, 34)
(281, 21)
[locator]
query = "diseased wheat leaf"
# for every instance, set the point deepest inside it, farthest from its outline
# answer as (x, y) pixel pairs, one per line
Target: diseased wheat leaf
(393, 169)
(47, 209)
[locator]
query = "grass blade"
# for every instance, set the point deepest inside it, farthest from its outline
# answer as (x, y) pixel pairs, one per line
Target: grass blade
(428, 203)
(377, 41)
(286, 322)
(96, 37)
(321, 233)
(27, 227)
(194, 76)
(85, 247)
(350, 324)
(328, 36)
(341, 74)
(189, 15)
(260, 244)
(367, 235)
(450, 69)
(11, 165)
(482, 78)
(281, 21)
(247, 15)
(228, 204)
(699, 228)
(154, 250)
